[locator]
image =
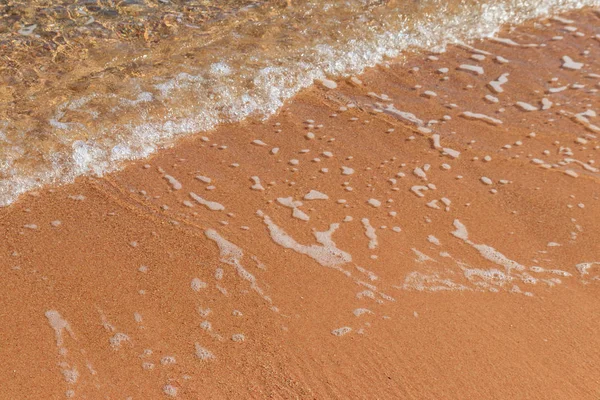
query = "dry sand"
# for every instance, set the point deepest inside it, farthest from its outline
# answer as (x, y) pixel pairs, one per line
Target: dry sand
(142, 292)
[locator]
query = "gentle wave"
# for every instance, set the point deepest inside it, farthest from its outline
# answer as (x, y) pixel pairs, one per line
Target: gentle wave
(118, 98)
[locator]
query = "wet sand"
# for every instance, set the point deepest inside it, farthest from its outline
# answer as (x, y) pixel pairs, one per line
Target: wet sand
(447, 252)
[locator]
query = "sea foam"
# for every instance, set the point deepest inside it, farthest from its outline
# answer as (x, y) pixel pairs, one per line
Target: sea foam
(126, 116)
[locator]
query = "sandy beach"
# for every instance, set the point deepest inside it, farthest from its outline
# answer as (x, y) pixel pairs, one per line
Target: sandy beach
(426, 230)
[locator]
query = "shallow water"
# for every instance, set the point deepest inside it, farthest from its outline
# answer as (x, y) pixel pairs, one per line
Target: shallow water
(88, 84)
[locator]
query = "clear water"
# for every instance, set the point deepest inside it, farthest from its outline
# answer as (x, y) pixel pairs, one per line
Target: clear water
(89, 84)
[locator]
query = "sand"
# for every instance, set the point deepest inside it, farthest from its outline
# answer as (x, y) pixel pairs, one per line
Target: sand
(449, 245)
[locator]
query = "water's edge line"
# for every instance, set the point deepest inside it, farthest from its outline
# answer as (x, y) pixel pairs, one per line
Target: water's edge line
(36, 183)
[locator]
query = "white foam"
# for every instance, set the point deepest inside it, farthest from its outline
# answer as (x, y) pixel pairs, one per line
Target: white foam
(451, 152)
(315, 195)
(198, 285)
(568, 63)
(59, 325)
(461, 231)
(585, 166)
(341, 331)
(558, 89)
(505, 41)
(257, 185)
(486, 251)
(232, 255)
(206, 325)
(211, 205)
(418, 190)
(299, 214)
(213, 95)
(486, 180)
(525, 106)
(203, 178)
(360, 311)
(435, 139)
(481, 117)
(291, 203)
(434, 240)
(491, 99)
(403, 115)
(496, 85)
(582, 119)
(288, 202)
(327, 254)
(446, 202)
(433, 204)
(175, 184)
(374, 203)
(71, 375)
(584, 268)
(418, 172)
(370, 233)
(430, 282)
(477, 70)
(366, 293)
(170, 390)
(562, 20)
(487, 278)
(203, 353)
(238, 337)
(571, 173)
(327, 83)
(118, 339)
(347, 171)
(421, 257)
(168, 360)
(496, 257)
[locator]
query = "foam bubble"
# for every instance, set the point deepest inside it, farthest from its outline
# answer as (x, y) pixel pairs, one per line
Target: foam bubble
(203, 353)
(170, 390)
(327, 254)
(197, 284)
(59, 325)
(238, 338)
(118, 339)
(360, 311)
(100, 129)
(341, 331)
(370, 233)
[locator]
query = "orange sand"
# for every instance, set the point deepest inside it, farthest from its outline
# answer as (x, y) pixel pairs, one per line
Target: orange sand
(532, 335)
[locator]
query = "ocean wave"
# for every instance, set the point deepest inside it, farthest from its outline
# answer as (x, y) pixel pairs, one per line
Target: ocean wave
(125, 99)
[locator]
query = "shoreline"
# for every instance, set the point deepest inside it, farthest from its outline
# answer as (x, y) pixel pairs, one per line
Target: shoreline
(452, 285)
(92, 121)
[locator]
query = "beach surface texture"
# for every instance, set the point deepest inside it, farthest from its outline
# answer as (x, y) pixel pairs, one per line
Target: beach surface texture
(428, 229)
